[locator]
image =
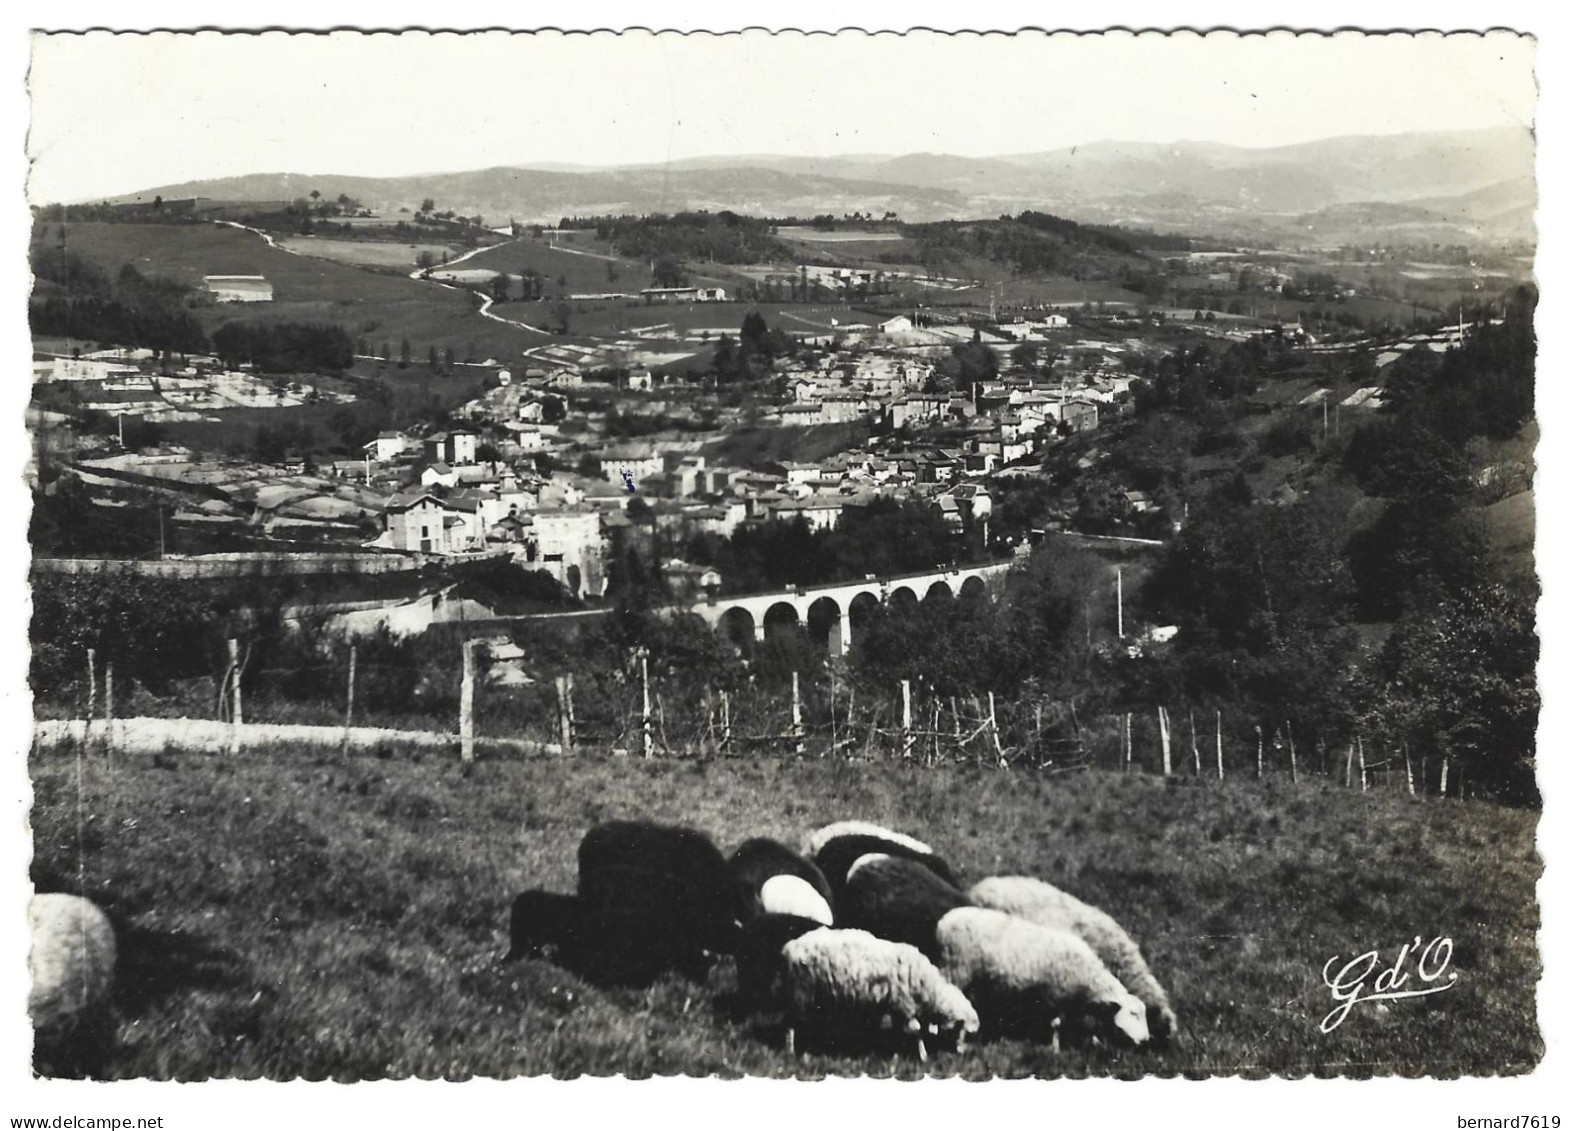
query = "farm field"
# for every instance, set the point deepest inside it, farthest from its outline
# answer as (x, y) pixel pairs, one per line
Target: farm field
(291, 914)
(842, 235)
(365, 253)
(603, 320)
(582, 259)
(1269, 308)
(371, 304)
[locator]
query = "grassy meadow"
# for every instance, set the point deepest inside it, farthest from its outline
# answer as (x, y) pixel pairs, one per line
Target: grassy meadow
(581, 258)
(376, 305)
(301, 915)
(365, 253)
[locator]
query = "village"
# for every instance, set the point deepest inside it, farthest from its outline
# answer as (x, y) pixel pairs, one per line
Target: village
(530, 472)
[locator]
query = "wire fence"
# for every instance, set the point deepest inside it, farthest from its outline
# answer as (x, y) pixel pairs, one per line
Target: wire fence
(485, 700)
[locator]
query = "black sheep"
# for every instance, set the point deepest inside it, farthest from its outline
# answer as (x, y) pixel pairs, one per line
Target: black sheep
(663, 871)
(835, 848)
(606, 946)
(900, 900)
(767, 871)
(758, 958)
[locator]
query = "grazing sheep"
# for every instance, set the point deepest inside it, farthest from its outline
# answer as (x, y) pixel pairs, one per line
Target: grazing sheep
(608, 946)
(782, 882)
(898, 899)
(760, 964)
(663, 870)
(1029, 978)
(846, 985)
(834, 848)
(72, 964)
(1042, 903)
(792, 895)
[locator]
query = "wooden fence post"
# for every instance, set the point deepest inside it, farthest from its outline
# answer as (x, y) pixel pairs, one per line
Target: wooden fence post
(348, 703)
(1422, 772)
(466, 704)
(1406, 757)
(1362, 767)
(109, 707)
(648, 733)
(564, 718)
(1292, 751)
(795, 712)
(1128, 741)
(937, 716)
(92, 694)
(725, 721)
(236, 708)
(907, 738)
(992, 721)
(834, 726)
(1349, 765)
(1166, 741)
(1259, 753)
(1221, 771)
(1193, 742)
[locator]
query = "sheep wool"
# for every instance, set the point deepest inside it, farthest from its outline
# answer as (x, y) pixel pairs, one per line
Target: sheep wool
(605, 945)
(72, 961)
(897, 899)
(836, 848)
(792, 895)
(852, 981)
(664, 870)
(817, 840)
(1040, 902)
(760, 861)
(1021, 974)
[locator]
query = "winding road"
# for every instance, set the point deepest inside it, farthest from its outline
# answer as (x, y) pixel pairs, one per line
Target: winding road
(486, 301)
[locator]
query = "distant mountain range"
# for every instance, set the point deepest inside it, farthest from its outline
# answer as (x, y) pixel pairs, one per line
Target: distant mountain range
(1460, 185)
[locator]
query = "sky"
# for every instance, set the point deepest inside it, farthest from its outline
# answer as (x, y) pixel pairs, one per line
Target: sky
(113, 113)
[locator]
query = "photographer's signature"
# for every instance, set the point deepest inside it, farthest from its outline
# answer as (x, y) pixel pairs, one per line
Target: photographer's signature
(1349, 983)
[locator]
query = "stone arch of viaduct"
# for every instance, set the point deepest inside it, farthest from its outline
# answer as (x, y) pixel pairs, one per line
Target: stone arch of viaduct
(837, 602)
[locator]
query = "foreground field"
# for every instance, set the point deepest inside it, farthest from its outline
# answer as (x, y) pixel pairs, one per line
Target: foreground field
(292, 914)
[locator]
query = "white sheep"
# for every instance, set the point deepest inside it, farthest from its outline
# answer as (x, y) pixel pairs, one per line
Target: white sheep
(1040, 902)
(1022, 975)
(851, 982)
(815, 843)
(836, 848)
(72, 965)
(792, 895)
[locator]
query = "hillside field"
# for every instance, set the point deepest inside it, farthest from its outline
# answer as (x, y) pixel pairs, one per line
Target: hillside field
(374, 304)
(581, 259)
(295, 914)
(365, 253)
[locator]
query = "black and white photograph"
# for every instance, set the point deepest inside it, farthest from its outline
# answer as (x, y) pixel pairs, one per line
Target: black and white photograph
(571, 553)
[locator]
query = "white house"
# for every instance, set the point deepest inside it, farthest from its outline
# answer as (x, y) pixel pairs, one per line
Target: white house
(897, 325)
(419, 521)
(455, 447)
(568, 545)
(387, 446)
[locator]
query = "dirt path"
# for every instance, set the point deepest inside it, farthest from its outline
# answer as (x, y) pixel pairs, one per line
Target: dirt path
(486, 301)
(148, 736)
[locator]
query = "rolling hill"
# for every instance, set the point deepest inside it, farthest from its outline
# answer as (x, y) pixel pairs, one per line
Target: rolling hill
(1476, 183)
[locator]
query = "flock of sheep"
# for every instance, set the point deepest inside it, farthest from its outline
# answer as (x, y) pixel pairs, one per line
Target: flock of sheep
(866, 935)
